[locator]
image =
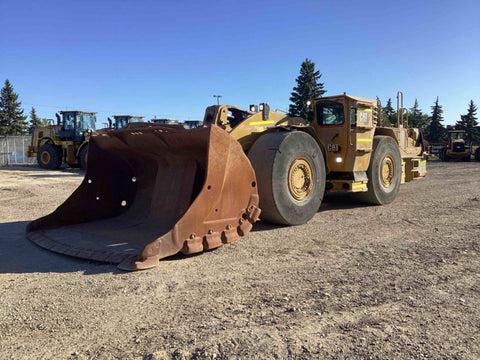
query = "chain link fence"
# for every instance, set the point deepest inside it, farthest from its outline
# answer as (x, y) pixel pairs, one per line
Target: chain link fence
(12, 150)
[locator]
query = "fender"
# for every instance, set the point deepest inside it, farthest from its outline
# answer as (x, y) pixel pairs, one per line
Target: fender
(48, 140)
(307, 129)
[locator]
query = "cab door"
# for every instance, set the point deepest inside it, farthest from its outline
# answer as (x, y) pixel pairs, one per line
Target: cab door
(330, 125)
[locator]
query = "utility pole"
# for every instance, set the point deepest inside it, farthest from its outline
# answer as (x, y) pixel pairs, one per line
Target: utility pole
(218, 98)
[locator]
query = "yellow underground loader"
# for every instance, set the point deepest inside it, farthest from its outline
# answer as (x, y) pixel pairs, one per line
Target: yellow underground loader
(154, 191)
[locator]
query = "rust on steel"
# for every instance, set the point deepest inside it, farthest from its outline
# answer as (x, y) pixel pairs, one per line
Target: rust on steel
(152, 192)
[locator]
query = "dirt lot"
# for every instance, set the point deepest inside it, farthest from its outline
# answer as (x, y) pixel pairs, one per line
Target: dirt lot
(356, 282)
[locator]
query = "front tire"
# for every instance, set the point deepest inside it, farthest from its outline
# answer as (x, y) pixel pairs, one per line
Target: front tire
(384, 172)
(49, 156)
(290, 171)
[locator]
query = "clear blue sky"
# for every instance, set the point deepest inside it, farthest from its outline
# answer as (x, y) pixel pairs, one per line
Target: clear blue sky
(168, 58)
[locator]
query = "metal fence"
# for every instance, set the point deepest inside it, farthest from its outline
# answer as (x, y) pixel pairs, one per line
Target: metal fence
(435, 148)
(12, 150)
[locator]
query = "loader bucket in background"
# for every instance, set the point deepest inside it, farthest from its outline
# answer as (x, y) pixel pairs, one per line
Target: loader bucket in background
(150, 193)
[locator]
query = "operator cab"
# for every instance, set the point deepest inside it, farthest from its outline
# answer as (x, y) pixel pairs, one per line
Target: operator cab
(456, 140)
(121, 121)
(75, 124)
(345, 125)
(165, 121)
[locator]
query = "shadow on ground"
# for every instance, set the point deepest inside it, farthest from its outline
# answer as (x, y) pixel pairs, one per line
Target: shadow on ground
(341, 201)
(331, 202)
(20, 255)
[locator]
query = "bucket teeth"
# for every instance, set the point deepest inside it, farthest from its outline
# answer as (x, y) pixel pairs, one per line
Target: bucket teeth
(214, 239)
(193, 245)
(230, 235)
(253, 213)
(244, 228)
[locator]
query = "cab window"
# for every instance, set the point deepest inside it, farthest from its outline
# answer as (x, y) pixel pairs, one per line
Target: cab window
(85, 122)
(68, 121)
(329, 113)
(353, 117)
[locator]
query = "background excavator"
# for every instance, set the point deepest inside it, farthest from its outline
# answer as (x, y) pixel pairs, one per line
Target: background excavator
(151, 192)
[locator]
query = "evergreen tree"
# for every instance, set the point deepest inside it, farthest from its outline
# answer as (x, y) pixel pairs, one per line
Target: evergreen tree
(12, 120)
(469, 123)
(388, 112)
(45, 122)
(307, 88)
(417, 118)
(436, 131)
(380, 112)
(35, 121)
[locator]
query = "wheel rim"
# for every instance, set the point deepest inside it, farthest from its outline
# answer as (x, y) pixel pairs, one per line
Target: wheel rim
(300, 178)
(387, 171)
(45, 157)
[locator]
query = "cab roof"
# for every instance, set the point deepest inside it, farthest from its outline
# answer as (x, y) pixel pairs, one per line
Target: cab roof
(77, 111)
(130, 116)
(351, 97)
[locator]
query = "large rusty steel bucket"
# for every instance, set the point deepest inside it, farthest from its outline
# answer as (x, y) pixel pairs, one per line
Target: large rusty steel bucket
(149, 193)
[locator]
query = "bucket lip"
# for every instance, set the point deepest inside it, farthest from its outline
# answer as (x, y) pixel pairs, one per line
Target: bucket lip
(40, 238)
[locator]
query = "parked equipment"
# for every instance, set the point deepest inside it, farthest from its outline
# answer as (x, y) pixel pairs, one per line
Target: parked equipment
(121, 121)
(164, 121)
(151, 192)
(65, 142)
(455, 147)
(192, 124)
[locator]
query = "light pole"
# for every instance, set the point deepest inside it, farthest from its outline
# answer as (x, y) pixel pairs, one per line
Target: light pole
(218, 98)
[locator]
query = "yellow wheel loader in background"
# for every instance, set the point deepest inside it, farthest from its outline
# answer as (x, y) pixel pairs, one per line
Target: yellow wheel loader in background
(455, 147)
(65, 142)
(152, 192)
(122, 121)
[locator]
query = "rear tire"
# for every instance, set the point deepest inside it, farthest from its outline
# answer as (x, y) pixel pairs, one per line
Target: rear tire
(49, 156)
(290, 171)
(82, 157)
(384, 172)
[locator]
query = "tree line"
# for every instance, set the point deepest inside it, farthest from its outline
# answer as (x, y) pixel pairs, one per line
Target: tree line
(14, 122)
(309, 87)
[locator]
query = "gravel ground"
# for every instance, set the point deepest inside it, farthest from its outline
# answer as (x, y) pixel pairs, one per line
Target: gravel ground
(356, 282)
